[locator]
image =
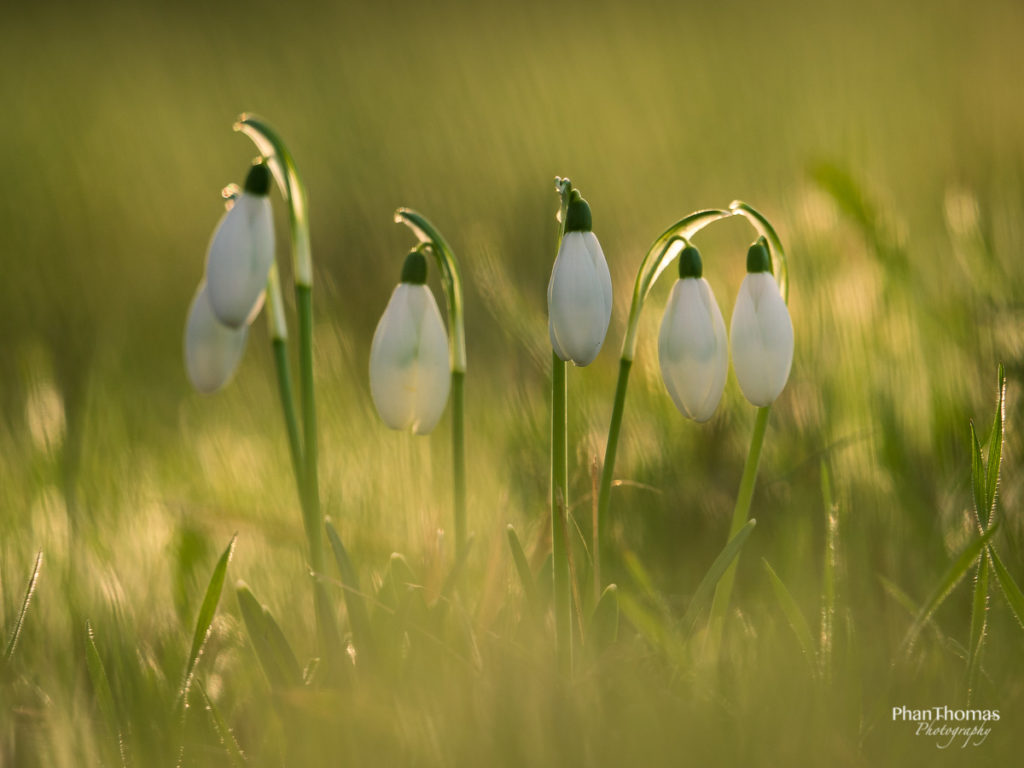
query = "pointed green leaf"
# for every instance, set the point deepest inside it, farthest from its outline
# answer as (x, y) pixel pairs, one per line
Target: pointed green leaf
(978, 480)
(792, 611)
(523, 569)
(101, 687)
(604, 622)
(707, 585)
(979, 617)
(223, 731)
(355, 601)
(995, 444)
(206, 613)
(1014, 596)
(275, 655)
(950, 579)
(12, 642)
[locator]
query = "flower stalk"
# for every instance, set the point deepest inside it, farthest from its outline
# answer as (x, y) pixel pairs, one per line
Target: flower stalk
(304, 463)
(451, 282)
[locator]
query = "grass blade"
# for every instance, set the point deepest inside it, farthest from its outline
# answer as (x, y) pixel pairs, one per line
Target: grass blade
(355, 601)
(12, 642)
(995, 444)
(1014, 596)
(950, 579)
(206, 613)
(220, 725)
(794, 615)
(979, 616)
(707, 585)
(525, 575)
(978, 480)
(104, 695)
(275, 655)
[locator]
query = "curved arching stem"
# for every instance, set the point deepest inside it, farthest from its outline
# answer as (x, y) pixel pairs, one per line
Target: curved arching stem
(304, 462)
(778, 253)
(451, 283)
(665, 248)
(745, 495)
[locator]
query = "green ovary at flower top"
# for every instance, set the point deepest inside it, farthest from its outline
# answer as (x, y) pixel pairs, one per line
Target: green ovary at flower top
(241, 253)
(692, 344)
(409, 372)
(580, 290)
(761, 332)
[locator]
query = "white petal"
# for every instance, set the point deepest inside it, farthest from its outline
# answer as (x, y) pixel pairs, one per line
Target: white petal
(761, 334)
(692, 349)
(579, 298)
(409, 368)
(212, 350)
(239, 258)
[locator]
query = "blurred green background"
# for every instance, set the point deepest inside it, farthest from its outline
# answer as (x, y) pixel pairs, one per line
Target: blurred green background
(883, 140)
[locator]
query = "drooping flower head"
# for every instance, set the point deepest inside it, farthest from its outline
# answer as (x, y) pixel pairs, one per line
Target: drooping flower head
(761, 331)
(692, 345)
(580, 290)
(409, 361)
(212, 349)
(241, 252)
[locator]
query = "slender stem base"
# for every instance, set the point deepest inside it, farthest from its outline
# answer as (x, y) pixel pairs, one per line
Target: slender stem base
(723, 592)
(559, 508)
(326, 627)
(608, 470)
(459, 459)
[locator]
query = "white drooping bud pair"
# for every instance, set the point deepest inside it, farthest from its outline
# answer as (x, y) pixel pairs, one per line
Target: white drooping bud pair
(692, 345)
(231, 295)
(409, 359)
(580, 290)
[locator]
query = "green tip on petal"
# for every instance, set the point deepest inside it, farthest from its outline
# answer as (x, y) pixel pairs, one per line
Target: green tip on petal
(690, 264)
(578, 218)
(258, 180)
(415, 268)
(758, 259)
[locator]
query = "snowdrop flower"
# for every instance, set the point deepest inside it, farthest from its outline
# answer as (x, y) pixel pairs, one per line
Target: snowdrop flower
(241, 252)
(761, 331)
(409, 369)
(212, 349)
(580, 291)
(692, 346)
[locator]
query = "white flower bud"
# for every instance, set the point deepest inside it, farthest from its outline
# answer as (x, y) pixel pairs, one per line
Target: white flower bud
(580, 292)
(241, 252)
(693, 349)
(212, 350)
(761, 333)
(409, 369)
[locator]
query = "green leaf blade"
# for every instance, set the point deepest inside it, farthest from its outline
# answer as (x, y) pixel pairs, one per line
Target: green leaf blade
(207, 611)
(707, 585)
(795, 617)
(272, 649)
(33, 580)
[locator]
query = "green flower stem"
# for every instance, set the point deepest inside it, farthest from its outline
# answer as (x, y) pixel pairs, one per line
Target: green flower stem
(723, 592)
(560, 479)
(279, 343)
(451, 283)
(559, 509)
(459, 459)
(661, 253)
(305, 463)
